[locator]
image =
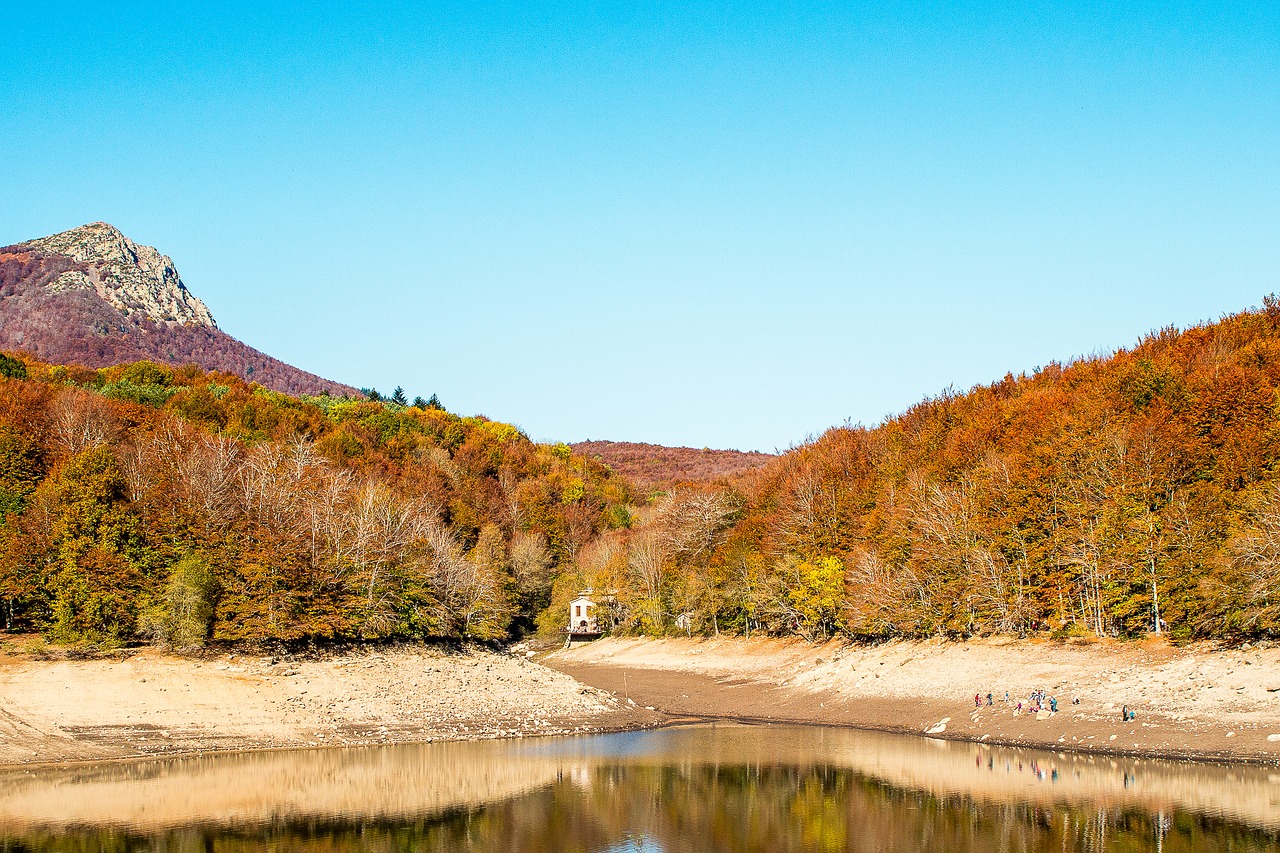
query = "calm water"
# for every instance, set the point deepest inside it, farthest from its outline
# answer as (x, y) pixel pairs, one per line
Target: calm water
(698, 788)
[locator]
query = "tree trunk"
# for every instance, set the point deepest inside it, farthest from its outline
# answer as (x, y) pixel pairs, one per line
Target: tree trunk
(1155, 599)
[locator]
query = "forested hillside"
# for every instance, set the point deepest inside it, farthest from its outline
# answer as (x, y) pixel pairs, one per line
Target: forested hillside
(1111, 496)
(652, 467)
(142, 501)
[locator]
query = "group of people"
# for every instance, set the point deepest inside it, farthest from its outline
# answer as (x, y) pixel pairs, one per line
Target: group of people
(1036, 702)
(1040, 701)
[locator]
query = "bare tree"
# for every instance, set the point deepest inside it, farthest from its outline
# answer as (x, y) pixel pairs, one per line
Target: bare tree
(692, 522)
(209, 471)
(647, 555)
(878, 597)
(1088, 535)
(531, 563)
(1256, 555)
(80, 420)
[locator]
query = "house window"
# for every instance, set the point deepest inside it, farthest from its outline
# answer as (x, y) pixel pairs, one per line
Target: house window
(577, 610)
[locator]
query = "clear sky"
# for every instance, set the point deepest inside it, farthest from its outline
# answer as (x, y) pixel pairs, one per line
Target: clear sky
(726, 225)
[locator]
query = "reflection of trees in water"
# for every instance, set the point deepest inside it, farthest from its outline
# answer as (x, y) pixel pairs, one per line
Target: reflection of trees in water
(707, 808)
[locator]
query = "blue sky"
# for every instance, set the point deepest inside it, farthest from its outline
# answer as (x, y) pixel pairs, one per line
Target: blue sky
(726, 225)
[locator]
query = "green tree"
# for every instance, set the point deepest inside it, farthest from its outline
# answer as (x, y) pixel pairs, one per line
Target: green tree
(813, 594)
(20, 471)
(147, 373)
(184, 613)
(94, 581)
(12, 368)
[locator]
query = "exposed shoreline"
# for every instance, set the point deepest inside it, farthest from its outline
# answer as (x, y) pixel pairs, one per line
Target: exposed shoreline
(147, 704)
(144, 704)
(1229, 758)
(1194, 703)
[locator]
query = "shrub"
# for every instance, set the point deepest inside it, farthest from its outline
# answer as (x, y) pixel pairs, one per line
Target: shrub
(12, 368)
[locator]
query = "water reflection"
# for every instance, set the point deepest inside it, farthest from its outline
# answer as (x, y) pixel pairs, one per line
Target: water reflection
(703, 788)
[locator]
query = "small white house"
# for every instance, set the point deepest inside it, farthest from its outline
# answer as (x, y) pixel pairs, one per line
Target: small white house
(582, 616)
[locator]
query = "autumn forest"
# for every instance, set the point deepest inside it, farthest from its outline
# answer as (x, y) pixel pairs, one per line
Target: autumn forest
(1118, 495)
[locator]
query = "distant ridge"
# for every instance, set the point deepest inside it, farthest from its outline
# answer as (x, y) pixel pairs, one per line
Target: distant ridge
(94, 297)
(654, 466)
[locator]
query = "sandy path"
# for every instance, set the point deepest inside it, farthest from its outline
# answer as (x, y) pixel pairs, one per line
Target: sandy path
(1189, 701)
(149, 703)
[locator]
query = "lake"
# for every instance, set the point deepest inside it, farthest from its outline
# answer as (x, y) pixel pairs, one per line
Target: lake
(724, 787)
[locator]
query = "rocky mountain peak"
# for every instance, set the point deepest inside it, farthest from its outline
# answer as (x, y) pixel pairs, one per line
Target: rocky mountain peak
(131, 277)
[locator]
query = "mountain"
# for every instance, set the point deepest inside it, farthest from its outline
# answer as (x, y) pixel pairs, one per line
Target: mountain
(653, 466)
(92, 296)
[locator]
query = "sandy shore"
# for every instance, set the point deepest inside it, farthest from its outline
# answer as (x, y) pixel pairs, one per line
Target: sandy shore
(1190, 702)
(1195, 701)
(144, 703)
